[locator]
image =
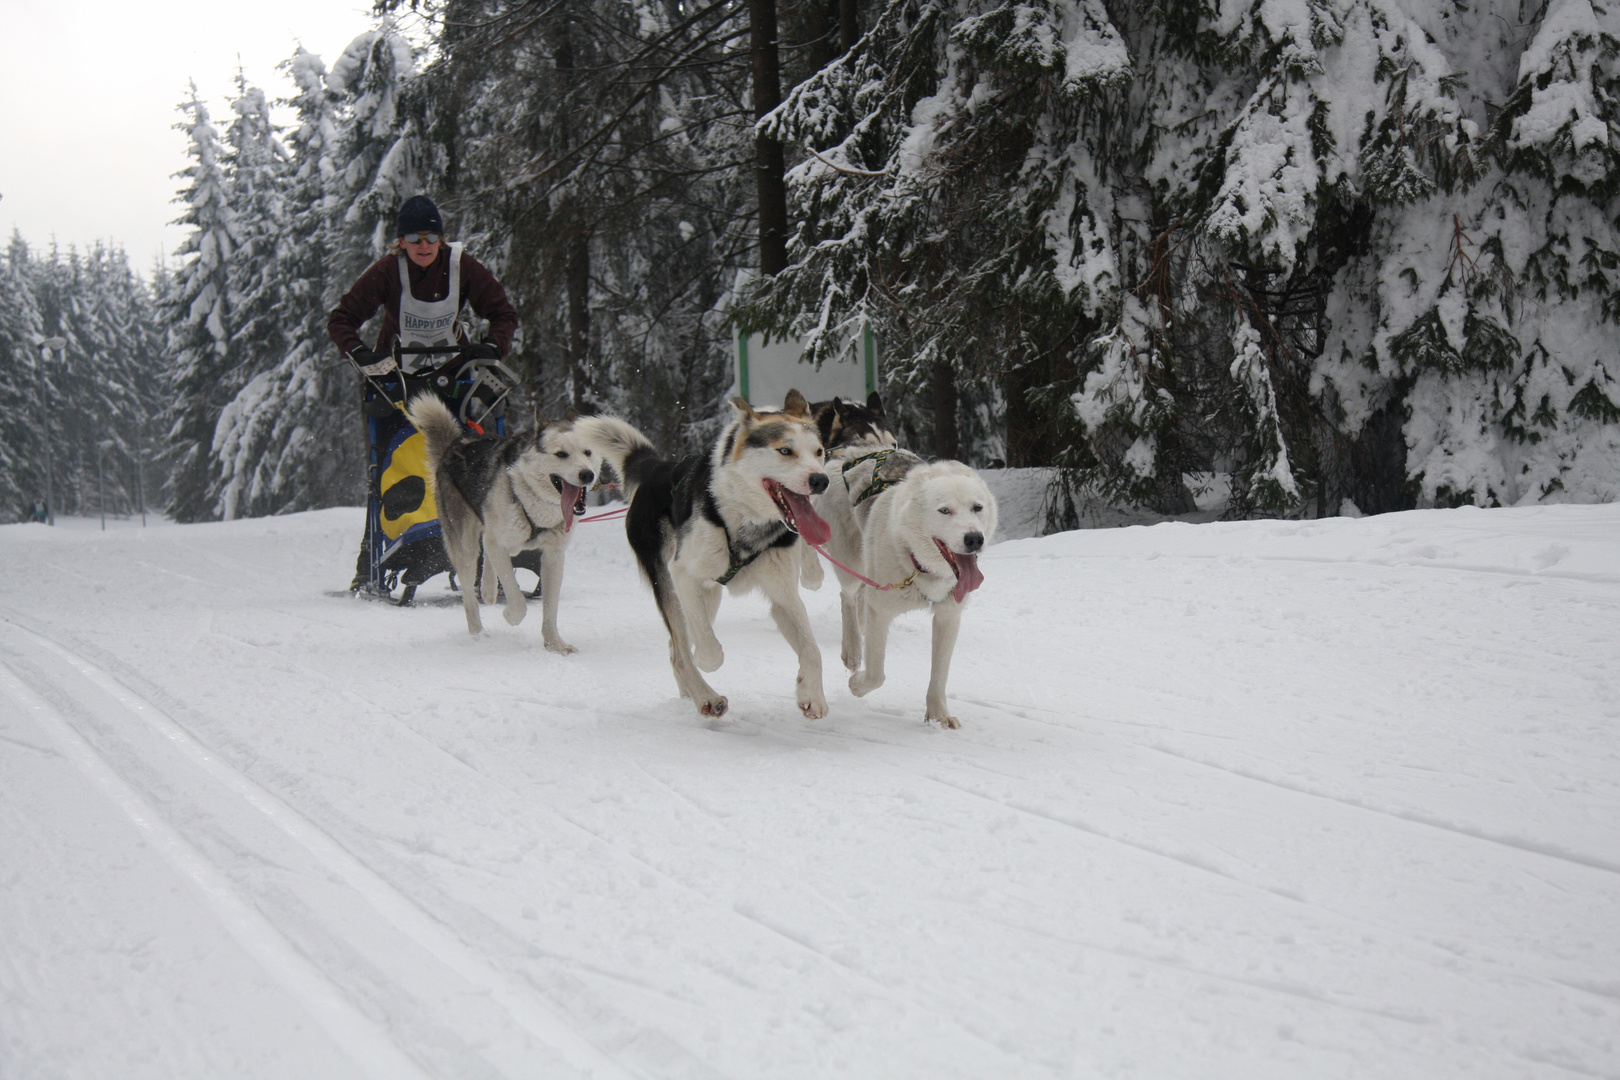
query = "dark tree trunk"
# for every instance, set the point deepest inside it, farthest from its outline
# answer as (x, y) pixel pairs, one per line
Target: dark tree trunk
(579, 319)
(1376, 479)
(849, 25)
(769, 162)
(821, 27)
(1032, 433)
(947, 437)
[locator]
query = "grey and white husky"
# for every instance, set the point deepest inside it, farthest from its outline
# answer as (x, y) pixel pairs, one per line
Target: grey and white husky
(731, 517)
(505, 494)
(915, 528)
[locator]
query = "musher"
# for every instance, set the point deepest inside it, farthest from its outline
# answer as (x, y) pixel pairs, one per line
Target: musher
(420, 285)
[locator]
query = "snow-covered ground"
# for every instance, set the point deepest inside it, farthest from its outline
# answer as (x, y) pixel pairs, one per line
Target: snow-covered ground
(1269, 799)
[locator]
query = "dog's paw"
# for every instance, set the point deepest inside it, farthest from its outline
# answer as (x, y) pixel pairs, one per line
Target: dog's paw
(558, 645)
(943, 721)
(514, 613)
(714, 707)
(812, 702)
(862, 683)
(852, 661)
(709, 658)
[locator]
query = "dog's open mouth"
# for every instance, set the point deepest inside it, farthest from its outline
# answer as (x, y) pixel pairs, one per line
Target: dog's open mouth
(573, 500)
(799, 515)
(966, 568)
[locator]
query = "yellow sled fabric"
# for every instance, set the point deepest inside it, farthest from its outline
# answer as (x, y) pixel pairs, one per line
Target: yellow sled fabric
(407, 487)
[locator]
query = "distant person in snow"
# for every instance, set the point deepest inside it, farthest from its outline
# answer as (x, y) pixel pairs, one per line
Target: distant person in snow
(420, 286)
(41, 512)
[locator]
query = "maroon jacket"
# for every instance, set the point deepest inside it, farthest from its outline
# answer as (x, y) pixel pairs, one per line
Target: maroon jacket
(379, 287)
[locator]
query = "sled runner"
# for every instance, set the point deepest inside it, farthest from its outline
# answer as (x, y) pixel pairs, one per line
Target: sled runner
(403, 542)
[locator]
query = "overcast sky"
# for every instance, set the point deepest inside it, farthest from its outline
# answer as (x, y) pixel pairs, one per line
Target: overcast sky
(89, 92)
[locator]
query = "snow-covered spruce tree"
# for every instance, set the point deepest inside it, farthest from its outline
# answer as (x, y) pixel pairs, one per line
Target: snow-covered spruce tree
(590, 151)
(286, 437)
(1269, 140)
(951, 195)
(292, 431)
(667, 264)
(1397, 333)
(1515, 386)
(66, 303)
(117, 379)
(22, 387)
(378, 161)
(1464, 338)
(256, 167)
(98, 393)
(59, 290)
(197, 314)
(1287, 254)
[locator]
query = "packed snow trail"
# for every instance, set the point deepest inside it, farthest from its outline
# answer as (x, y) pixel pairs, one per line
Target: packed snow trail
(1265, 799)
(127, 714)
(370, 1050)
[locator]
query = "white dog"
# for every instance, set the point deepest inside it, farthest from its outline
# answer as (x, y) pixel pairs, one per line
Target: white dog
(916, 530)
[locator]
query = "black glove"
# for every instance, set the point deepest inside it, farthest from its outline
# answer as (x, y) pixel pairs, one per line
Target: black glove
(370, 362)
(484, 350)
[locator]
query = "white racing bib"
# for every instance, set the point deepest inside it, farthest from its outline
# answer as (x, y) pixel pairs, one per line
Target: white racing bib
(423, 322)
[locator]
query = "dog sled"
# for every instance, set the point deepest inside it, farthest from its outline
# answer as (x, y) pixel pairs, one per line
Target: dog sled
(403, 545)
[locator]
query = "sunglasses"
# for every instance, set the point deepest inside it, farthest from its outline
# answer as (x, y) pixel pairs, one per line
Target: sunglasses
(421, 238)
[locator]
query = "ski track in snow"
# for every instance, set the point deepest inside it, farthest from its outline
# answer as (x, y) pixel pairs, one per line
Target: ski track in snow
(370, 1049)
(1266, 799)
(386, 901)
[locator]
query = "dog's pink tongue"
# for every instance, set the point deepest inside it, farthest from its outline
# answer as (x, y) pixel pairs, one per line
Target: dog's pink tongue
(570, 497)
(968, 577)
(812, 527)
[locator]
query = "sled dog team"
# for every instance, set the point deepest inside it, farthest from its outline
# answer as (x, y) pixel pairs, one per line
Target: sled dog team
(905, 533)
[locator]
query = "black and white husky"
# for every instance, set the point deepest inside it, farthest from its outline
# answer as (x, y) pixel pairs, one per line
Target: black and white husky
(849, 425)
(731, 518)
(915, 529)
(505, 494)
(848, 430)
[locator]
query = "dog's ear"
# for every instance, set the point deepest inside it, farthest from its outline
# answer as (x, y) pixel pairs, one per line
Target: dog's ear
(794, 405)
(830, 421)
(875, 403)
(744, 409)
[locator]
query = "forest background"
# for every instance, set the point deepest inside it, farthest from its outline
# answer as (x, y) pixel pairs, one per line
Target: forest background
(1325, 256)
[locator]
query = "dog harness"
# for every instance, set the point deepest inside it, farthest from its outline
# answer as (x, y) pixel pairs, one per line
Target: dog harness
(534, 530)
(685, 484)
(878, 485)
(739, 562)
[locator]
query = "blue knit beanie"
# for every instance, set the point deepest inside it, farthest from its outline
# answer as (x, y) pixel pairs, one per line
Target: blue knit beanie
(418, 214)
